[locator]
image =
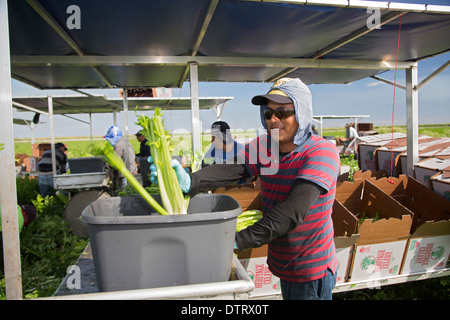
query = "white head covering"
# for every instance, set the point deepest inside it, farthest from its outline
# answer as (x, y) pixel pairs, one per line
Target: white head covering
(300, 95)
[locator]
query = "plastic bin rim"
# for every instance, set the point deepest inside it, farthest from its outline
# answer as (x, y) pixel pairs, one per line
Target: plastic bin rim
(162, 219)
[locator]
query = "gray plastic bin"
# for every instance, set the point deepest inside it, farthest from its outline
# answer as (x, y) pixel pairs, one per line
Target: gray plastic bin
(134, 247)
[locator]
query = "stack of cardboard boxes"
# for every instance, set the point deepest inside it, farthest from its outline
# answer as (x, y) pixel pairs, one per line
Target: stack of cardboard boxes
(405, 230)
(387, 152)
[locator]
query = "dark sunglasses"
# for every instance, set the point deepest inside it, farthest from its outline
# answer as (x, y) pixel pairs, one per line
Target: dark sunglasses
(280, 113)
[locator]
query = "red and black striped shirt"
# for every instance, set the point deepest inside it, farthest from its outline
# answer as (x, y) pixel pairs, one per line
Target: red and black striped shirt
(304, 253)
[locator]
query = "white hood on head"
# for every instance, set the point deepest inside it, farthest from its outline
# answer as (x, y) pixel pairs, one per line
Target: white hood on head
(301, 97)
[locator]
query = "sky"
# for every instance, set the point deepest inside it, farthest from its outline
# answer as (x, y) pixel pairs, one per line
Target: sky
(363, 97)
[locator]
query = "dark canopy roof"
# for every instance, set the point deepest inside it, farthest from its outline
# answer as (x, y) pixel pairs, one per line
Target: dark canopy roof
(151, 43)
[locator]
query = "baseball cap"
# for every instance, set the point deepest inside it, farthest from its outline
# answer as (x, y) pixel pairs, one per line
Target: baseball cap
(275, 94)
(138, 134)
(60, 144)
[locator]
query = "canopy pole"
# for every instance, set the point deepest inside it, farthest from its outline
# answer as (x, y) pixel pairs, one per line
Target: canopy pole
(125, 120)
(412, 119)
(195, 110)
(90, 127)
(8, 191)
(52, 133)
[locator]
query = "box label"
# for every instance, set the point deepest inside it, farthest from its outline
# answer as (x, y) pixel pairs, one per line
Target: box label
(265, 282)
(378, 260)
(425, 254)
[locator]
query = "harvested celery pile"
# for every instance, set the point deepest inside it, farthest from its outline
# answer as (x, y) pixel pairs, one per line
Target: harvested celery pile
(105, 150)
(173, 199)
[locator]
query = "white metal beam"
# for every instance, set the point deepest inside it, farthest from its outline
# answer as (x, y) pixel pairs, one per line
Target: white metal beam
(52, 133)
(412, 119)
(8, 191)
(46, 61)
(125, 120)
(389, 82)
(384, 5)
(20, 105)
(196, 127)
(434, 74)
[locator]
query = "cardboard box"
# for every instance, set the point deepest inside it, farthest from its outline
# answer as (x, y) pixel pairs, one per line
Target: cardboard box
(33, 164)
(254, 262)
(368, 174)
(428, 248)
(429, 149)
(373, 139)
(368, 145)
(425, 169)
(387, 159)
(248, 195)
(431, 223)
(38, 149)
(378, 260)
(345, 237)
(389, 154)
(365, 126)
(379, 250)
(429, 245)
(440, 183)
(425, 204)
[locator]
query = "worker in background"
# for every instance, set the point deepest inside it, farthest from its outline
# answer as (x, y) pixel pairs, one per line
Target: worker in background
(223, 147)
(45, 168)
(141, 158)
(350, 138)
(298, 191)
(115, 137)
(314, 131)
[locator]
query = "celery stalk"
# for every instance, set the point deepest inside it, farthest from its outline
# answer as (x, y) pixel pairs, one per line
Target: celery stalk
(172, 197)
(247, 218)
(107, 151)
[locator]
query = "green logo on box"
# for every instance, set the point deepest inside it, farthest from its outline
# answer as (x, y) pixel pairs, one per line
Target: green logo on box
(437, 253)
(367, 262)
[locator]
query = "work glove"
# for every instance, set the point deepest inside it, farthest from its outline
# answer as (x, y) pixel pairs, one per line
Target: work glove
(183, 177)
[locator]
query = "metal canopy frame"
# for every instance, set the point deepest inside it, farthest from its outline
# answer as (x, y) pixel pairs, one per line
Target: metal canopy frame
(88, 104)
(319, 119)
(191, 65)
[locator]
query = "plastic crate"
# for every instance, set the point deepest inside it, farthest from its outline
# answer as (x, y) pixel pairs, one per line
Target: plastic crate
(134, 247)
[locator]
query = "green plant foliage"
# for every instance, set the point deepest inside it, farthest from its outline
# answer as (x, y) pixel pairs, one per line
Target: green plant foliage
(47, 248)
(27, 190)
(352, 162)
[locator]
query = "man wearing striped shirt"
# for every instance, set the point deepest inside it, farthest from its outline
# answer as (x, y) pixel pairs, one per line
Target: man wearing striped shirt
(298, 172)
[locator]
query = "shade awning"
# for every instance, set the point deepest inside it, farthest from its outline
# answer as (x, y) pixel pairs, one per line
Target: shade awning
(152, 43)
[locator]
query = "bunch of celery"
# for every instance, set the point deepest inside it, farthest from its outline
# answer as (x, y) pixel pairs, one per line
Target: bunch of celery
(247, 218)
(107, 152)
(172, 197)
